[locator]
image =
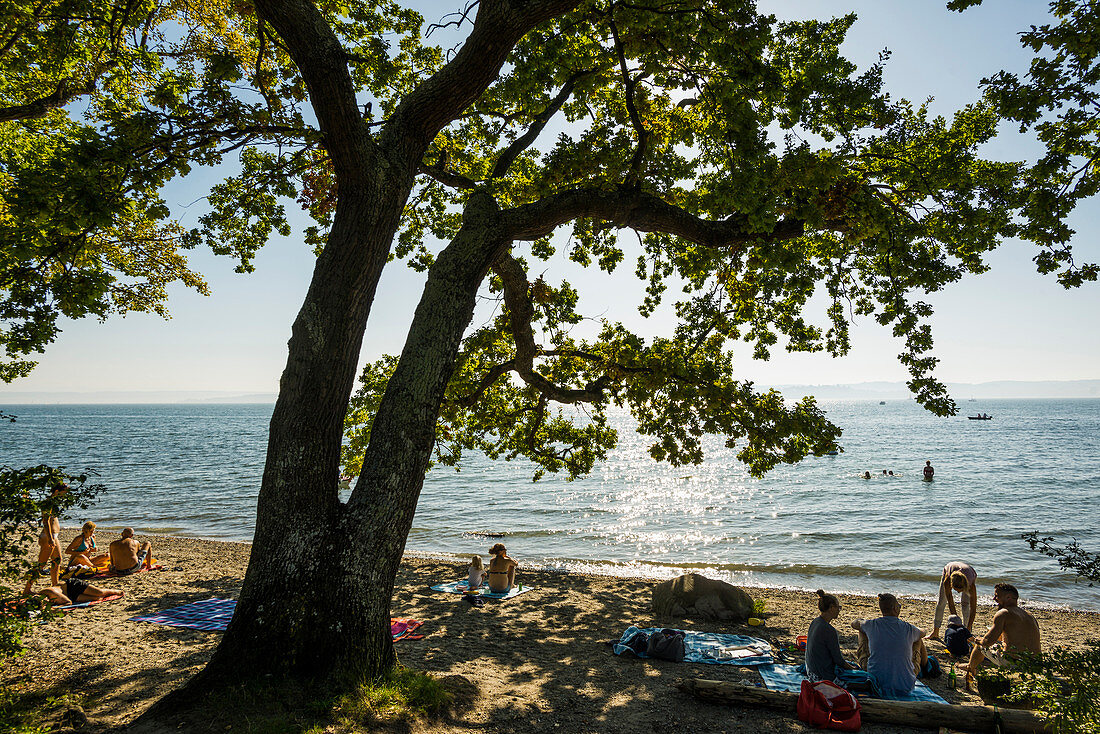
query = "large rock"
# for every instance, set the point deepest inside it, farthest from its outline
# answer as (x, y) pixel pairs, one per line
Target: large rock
(692, 595)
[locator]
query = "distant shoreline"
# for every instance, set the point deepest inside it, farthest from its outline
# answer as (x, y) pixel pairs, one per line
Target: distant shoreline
(961, 391)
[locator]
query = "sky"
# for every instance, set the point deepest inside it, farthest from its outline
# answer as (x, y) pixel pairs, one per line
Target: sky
(1008, 324)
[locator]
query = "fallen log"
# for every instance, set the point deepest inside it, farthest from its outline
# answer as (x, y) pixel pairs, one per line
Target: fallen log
(919, 714)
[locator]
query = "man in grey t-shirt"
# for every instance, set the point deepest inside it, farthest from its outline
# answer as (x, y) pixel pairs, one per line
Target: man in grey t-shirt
(895, 648)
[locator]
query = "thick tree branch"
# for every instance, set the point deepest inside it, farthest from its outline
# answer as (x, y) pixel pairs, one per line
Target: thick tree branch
(521, 313)
(67, 90)
(521, 143)
(323, 63)
(641, 211)
(442, 98)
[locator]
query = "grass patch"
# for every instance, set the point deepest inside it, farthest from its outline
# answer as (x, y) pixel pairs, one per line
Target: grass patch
(759, 606)
(400, 694)
(23, 713)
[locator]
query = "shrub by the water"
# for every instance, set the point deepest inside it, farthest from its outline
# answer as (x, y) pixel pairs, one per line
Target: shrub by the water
(1063, 684)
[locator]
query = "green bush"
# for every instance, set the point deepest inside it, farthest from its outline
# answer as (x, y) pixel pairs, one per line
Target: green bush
(1064, 685)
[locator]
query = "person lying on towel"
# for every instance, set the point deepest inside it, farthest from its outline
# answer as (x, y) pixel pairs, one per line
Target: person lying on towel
(75, 591)
(128, 556)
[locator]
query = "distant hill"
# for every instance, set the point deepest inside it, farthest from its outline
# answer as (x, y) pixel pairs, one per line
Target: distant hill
(15, 397)
(961, 391)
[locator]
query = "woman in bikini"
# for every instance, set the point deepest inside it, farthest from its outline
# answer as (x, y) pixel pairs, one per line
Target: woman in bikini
(502, 569)
(80, 550)
(49, 546)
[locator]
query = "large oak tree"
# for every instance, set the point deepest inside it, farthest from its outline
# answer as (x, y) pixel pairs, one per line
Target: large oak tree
(756, 165)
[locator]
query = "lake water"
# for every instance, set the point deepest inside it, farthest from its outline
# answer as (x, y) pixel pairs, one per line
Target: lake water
(195, 470)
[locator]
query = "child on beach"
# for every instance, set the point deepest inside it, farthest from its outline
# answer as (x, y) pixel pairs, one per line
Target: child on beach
(477, 574)
(956, 637)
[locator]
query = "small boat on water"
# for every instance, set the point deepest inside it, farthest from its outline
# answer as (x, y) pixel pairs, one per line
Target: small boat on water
(882, 402)
(980, 417)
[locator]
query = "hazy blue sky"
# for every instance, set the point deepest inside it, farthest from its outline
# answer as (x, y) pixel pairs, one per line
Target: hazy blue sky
(1008, 324)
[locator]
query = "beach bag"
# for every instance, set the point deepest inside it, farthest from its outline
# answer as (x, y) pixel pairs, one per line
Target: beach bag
(667, 645)
(638, 643)
(931, 669)
(828, 706)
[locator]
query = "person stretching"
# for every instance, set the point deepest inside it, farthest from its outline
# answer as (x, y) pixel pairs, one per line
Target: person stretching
(502, 569)
(960, 577)
(823, 655)
(127, 555)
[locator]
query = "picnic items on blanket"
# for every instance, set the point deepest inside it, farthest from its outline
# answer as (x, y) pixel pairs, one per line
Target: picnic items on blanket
(213, 615)
(789, 678)
(828, 706)
(701, 647)
(460, 587)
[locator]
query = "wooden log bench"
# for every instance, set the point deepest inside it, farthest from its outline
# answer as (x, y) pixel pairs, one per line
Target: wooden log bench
(918, 714)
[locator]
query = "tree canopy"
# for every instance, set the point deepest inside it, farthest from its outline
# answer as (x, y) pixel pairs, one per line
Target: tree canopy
(753, 164)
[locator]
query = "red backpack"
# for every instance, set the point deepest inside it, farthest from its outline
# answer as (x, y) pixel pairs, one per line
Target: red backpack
(828, 706)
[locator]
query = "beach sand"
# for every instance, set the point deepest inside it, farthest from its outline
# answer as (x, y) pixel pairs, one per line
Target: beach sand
(538, 661)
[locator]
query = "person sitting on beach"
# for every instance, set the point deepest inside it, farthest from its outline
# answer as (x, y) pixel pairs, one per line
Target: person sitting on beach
(76, 591)
(128, 556)
(890, 649)
(960, 577)
(823, 655)
(477, 574)
(1014, 629)
(955, 637)
(502, 569)
(80, 550)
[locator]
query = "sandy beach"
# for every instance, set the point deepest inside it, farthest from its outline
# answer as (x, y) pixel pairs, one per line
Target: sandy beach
(539, 661)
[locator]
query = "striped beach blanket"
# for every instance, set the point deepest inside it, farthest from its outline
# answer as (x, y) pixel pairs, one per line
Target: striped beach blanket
(213, 615)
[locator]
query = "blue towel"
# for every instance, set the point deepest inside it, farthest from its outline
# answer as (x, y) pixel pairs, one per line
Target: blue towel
(459, 587)
(789, 678)
(210, 615)
(703, 647)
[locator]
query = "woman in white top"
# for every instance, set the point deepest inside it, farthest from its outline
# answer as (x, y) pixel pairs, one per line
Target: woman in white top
(960, 577)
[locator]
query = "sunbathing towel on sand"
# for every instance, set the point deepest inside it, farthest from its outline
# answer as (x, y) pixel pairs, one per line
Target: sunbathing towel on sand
(710, 647)
(213, 615)
(789, 678)
(459, 587)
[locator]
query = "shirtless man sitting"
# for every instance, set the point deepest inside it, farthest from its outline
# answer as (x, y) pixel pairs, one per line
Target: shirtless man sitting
(128, 556)
(1012, 626)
